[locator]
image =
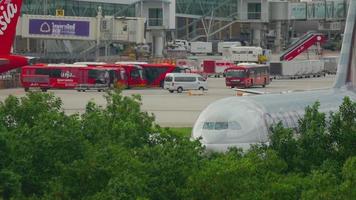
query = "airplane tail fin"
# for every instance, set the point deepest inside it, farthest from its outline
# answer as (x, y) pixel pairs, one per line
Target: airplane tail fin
(9, 13)
(346, 72)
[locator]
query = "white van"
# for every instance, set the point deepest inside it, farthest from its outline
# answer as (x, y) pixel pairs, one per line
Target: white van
(184, 81)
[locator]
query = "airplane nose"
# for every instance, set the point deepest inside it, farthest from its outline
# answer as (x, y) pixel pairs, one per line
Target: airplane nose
(231, 123)
(212, 137)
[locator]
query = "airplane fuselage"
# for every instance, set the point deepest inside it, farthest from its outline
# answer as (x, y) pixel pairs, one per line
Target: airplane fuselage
(242, 121)
(11, 62)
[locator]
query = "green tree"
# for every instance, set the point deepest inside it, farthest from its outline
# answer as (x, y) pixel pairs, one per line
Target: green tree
(234, 176)
(117, 152)
(9, 184)
(323, 186)
(110, 172)
(348, 187)
(343, 131)
(122, 121)
(315, 144)
(169, 160)
(286, 145)
(43, 138)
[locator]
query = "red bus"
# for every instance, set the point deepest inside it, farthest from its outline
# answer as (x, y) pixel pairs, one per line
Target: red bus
(64, 76)
(141, 74)
(134, 73)
(155, 73)
(247, 75)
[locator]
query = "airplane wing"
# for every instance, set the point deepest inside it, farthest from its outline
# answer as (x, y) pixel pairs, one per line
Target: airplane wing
(243, 92)
(3, 61)
(246, 92)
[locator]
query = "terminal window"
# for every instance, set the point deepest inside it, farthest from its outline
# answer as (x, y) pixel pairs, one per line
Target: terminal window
(254, 11)
(155, 16)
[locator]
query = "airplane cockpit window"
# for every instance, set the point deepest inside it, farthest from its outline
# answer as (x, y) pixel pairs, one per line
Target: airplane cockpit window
(232, 125)
(209, 125)
(221, 125)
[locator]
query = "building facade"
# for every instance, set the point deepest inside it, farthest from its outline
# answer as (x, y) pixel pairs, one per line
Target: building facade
(267, 23)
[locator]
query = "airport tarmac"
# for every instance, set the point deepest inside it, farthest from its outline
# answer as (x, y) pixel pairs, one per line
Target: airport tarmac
(176, 110)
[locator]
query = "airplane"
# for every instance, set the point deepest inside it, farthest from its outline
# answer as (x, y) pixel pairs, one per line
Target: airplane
(243, 121)
(9, 13)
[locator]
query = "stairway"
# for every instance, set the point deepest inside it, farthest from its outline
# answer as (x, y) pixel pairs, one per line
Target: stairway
(301, 45)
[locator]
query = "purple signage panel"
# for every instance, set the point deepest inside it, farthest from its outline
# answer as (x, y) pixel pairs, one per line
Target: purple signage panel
(59, 27)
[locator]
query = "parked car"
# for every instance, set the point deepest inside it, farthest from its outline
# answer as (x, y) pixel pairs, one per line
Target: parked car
(184, 81)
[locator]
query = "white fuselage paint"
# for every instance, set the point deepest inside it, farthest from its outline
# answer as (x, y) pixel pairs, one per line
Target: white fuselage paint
(353, 63)
(243, 121)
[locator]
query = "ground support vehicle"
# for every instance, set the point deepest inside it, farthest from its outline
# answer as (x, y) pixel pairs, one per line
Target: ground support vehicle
(154, 74)
(224, 47)
(297, 69)
(330, 64)
(247, 75)
(215, 68)
(201, 48)
(184, 81)
(63, 76)
(245, 54)
(98, 87)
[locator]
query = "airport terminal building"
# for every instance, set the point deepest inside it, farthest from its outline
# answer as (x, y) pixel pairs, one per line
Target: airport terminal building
(111, 26)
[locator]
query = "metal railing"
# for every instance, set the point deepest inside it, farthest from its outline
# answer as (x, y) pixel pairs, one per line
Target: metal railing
(216, 28)
(254, 15)
(155, 22)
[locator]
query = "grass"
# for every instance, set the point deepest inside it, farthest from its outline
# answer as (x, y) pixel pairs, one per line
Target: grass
(187, 131)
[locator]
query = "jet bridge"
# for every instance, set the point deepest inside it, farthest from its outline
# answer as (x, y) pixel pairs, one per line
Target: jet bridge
(121, 29)
(68, 37)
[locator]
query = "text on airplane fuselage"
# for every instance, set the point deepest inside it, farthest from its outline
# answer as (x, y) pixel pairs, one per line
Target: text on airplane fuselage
(7, 13)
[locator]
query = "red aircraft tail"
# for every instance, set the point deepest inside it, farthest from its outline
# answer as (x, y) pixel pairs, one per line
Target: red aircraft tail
(9, 13)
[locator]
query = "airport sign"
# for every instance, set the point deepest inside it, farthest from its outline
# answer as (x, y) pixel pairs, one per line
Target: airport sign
(59, 27)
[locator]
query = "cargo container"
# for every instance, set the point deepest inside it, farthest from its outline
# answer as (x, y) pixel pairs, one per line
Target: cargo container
(297, 69)
(245, 54)
(201, 48)
(330, 64)
(209, 66)
(215, 68)
(224, 47)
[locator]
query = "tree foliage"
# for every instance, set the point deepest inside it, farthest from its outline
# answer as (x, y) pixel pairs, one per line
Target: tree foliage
(118, 152)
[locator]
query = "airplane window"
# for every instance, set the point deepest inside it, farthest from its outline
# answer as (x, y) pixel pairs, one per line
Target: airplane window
(221, 125)
(208, 125)
(233, 125)
(216, 125)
